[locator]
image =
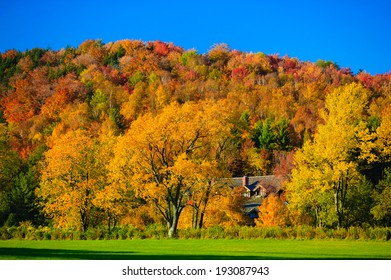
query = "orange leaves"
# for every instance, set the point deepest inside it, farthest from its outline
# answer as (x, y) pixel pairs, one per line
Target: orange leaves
(219, 54)
(28, 96)
(161, 48)
(272, 212)
(168, 156)
(67, 90)
(175, 111)
(226, 208)
(112, 199)
(70, 177)
(10, 54)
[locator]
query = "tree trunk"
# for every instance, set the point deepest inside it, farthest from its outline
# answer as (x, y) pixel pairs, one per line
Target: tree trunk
(337, 208)
(318, 220)
(172, 227)
(200, 208)
(84, 220)
(111, 223)
(201, 222)
(194, 218)
(338, 204)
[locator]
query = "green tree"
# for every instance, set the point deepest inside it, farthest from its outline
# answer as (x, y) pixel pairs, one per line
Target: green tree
(382, 200)
(283, 140)
(263, 135)
(359, 202)
(267, 139)
(9, 169)
(22, 199)
(271, 136)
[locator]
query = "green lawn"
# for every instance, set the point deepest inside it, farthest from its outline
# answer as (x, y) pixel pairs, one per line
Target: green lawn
(194, 249)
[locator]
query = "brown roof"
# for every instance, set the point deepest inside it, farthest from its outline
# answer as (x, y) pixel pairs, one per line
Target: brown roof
(269, 182)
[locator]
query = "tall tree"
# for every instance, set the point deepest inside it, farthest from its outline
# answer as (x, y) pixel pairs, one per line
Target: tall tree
(9, 168)
(165, 157)
(216, 154)
(70, 178)
(327, 165)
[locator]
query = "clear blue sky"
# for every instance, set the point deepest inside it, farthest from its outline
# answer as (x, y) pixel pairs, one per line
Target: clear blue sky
(355, 34)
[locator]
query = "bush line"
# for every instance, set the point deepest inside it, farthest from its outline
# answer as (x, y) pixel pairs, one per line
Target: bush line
(156, 231)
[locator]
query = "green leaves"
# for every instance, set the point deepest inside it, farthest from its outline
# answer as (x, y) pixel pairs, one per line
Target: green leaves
(269, 136)
(382, 196)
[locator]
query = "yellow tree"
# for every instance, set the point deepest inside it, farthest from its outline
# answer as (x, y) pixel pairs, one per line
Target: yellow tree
(111, 198)
(70, 178)
(215, 154)
(164, 157)
(384, 136)
(327, 167)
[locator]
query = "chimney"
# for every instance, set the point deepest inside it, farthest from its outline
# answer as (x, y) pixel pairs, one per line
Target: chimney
(245, 181)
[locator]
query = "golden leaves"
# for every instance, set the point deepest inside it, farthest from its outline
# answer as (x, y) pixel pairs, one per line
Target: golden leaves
(168, 156)
(70, 176)
(326, 165)
(272, 212)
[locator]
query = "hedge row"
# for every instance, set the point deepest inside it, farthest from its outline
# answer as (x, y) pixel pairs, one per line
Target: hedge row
(156, 231)
(301, 232)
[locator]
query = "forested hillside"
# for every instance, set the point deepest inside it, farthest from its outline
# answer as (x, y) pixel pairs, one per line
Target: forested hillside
(136, 133)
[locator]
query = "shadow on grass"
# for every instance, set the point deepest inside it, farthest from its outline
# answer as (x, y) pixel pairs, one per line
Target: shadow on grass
(61, 254)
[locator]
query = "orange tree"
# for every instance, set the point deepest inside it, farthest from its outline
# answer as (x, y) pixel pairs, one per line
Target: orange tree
(272, 212)
(71, 176)
(167, 158)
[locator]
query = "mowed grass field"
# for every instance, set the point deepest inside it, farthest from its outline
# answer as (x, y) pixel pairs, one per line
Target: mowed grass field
(266, 249)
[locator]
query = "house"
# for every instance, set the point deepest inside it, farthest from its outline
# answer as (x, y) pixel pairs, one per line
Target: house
(257, 188)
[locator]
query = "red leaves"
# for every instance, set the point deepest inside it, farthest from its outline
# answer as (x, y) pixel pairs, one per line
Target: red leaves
(239, 73)
(161, 48)
(28, 96)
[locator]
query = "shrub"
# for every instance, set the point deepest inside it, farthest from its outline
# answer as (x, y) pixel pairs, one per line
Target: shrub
(353, 233)
(320, 233)
(215, 232)
(248, 232)
(122, 233)
(36, 234)
(305, 232)
(95, 233)
(55, 234)
(157, 231)
(232, 232)
(68, 234)
(383, 234)
(5, 234)
(190, 233)
(47, 235)
(339, 233)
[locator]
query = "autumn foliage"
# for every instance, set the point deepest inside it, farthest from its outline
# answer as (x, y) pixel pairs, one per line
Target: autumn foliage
(133, 132)
(273, 212)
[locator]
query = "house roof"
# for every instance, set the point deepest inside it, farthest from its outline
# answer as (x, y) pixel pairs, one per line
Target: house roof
(253, 209)
(253, 201)
(270, 182)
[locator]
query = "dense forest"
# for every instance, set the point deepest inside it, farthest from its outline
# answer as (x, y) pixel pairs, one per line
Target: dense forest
(136, 133)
